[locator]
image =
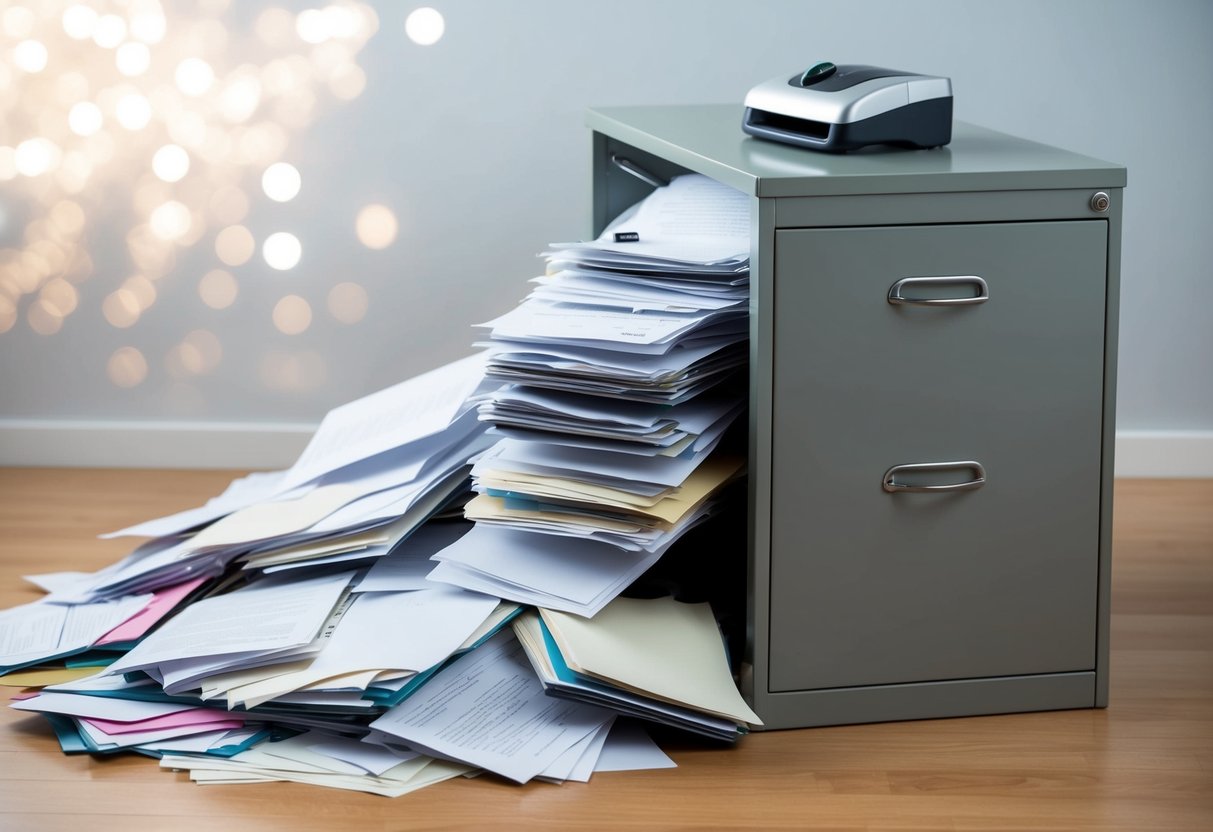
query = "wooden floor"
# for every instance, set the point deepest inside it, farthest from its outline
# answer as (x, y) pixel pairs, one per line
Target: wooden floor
(1145, 763)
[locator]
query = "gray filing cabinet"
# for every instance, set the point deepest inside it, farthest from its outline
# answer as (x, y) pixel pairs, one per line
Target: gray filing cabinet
(941, 320)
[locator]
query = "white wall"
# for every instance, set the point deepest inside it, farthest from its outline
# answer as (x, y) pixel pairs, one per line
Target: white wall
(477, 144)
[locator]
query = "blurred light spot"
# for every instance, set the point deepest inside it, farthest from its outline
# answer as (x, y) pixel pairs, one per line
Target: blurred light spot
(17, 21)
(347, 22)
(347, 302)
(376, 226)
(30, 56)
(170, 220)
(133, 111)
(262, 143)
(235, 245)
(29, 273)
(141, 289)
(240, 97)
(424, 26)
(8, 313)
(68, 216)
(109, 31)
(218, 289)
(8, 163)
(84, 118)
(43, 318)
(194, 76)
(53, 254)
(292, 315)
(281, 182)
(126, 367)
(291, 372)
(121, 308)
(347, 82)
(171, 163)
(312, 26)
(147, 22)
(34, 157)
(153, 255)
(275, 26)
(327, 57)
(228, 205)
(187, 128)
(133, 59)
(198, 353)
(282, 251)
(74, 173)
(79, 22)
(61, 296)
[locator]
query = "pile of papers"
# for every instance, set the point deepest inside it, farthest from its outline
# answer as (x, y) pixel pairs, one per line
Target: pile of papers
(433, 589)
(604, 463)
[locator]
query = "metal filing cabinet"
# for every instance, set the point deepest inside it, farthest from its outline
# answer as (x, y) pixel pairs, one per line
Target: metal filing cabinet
(932, 391)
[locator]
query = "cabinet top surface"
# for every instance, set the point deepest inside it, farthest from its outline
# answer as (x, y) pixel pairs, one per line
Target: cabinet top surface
(708, 138)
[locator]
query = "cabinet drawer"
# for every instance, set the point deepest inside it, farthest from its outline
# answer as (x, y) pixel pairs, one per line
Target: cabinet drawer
(870, 587)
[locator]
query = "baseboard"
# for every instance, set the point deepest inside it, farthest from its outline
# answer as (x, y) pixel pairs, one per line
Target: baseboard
(1170, 454)
(243, 445)
(89, 444)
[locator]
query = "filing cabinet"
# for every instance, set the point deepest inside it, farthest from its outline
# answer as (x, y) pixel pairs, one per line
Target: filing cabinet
(931, 421)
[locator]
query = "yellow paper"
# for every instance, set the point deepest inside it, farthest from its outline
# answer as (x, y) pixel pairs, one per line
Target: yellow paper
(40, 677)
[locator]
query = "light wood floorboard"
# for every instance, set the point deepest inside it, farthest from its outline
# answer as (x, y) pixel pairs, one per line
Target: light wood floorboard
(1144, 763)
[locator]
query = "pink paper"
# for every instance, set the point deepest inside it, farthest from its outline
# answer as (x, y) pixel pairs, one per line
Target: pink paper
(161, 604)
(209, 717)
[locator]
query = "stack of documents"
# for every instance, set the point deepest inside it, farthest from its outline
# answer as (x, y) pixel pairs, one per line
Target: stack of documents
(655, 310)
(613, 421)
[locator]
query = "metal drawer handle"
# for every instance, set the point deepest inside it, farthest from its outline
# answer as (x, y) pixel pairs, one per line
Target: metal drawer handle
(891, 485)
(636, 170)
(897, 298)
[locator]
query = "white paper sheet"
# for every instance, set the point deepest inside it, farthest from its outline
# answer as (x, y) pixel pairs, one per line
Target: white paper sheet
(404, 413)
(487, 709)
(269, 615)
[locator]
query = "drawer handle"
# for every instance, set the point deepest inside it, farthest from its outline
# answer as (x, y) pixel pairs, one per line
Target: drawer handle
(898, 299)
(891, 485)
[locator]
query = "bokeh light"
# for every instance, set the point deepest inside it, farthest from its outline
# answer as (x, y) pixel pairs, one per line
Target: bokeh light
(218, 289)
(348, 302)
(121, 308)
(424, 26)
(17, 21)
(126, 367)
(133, 111)
(292, 315)
(171, 163)
(170, 221)
(282, 250)
(139, 128)
(281, 182)
(291, 372)
(30, 56)
(132, 58)
(44, 318)
(376, 226)
(198, 353)
(79, 21)
(235, 245)
(85, 118)
(194, 76)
